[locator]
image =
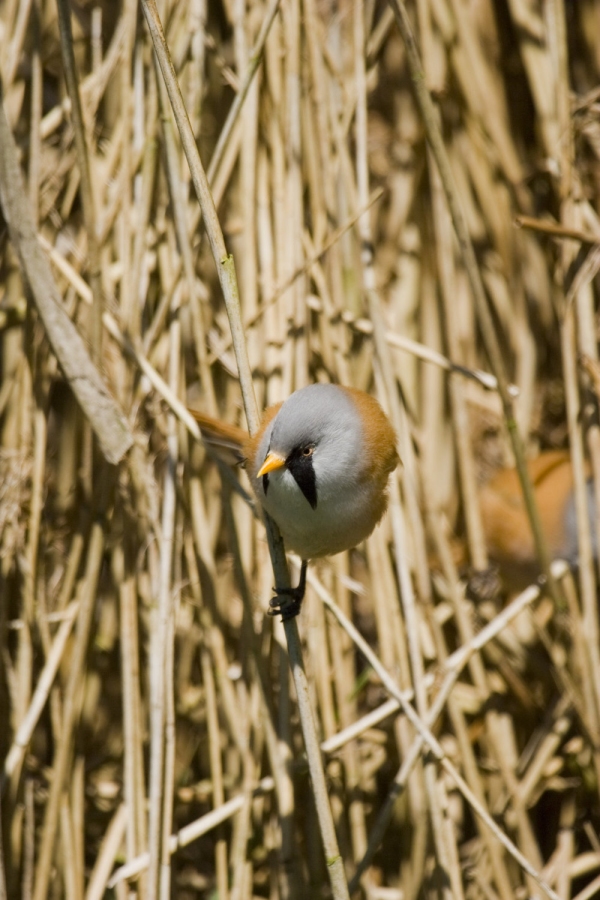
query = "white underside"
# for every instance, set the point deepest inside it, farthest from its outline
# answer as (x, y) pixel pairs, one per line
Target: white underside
(341, 520)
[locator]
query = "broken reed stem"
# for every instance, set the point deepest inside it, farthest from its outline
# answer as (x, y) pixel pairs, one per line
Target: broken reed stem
(553, 229)
(109, 424)
(226, 271)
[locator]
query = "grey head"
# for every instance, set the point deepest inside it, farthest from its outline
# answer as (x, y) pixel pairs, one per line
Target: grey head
(318, 432)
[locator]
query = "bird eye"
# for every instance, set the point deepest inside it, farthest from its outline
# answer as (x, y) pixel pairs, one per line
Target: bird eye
(307, 451)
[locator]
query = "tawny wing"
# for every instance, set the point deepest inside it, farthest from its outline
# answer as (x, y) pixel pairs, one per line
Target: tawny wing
(233, 444)
(227, 440)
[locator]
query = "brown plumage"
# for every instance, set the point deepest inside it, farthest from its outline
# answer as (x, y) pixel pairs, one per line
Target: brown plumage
(507, 531)
(235, 445)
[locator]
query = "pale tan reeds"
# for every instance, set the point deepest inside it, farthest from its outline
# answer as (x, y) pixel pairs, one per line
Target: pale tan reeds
(152, 737)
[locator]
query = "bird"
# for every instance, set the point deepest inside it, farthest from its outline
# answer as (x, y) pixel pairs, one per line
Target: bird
(506, 526)
(319, 465)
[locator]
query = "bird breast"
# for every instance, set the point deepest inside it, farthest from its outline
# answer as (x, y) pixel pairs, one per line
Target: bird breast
(341, 519)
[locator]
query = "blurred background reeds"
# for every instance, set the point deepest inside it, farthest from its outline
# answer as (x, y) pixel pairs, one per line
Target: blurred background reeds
(349, 271)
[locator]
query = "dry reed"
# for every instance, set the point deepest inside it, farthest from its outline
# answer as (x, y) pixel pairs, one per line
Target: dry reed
(152, 741)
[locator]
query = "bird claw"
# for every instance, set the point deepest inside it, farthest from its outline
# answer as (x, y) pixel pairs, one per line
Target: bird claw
(292, 598)
(289, 607)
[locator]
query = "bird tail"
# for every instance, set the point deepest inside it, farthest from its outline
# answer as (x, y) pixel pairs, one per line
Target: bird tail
(228, 441)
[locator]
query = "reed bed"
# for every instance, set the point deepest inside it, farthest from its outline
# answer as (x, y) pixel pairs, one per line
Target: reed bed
(151, 737)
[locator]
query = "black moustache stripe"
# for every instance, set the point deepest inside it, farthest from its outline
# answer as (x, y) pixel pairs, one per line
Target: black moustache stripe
(302, 469)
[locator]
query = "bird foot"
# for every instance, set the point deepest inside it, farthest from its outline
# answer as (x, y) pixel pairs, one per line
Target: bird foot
(291, 598)
(289, 605)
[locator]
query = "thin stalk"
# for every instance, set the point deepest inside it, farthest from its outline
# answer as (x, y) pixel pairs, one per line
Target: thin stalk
(162, 636)
(85, 174)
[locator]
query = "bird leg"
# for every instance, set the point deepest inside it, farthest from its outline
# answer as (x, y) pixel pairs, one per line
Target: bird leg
(293, 595)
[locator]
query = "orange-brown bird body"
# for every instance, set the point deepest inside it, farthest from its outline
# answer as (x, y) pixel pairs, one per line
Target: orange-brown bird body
(508, 534)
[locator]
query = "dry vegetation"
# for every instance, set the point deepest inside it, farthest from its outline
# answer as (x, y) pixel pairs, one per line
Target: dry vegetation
(142, 686)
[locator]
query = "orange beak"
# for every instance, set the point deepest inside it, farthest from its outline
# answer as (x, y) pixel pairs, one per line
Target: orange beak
(272, 462)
